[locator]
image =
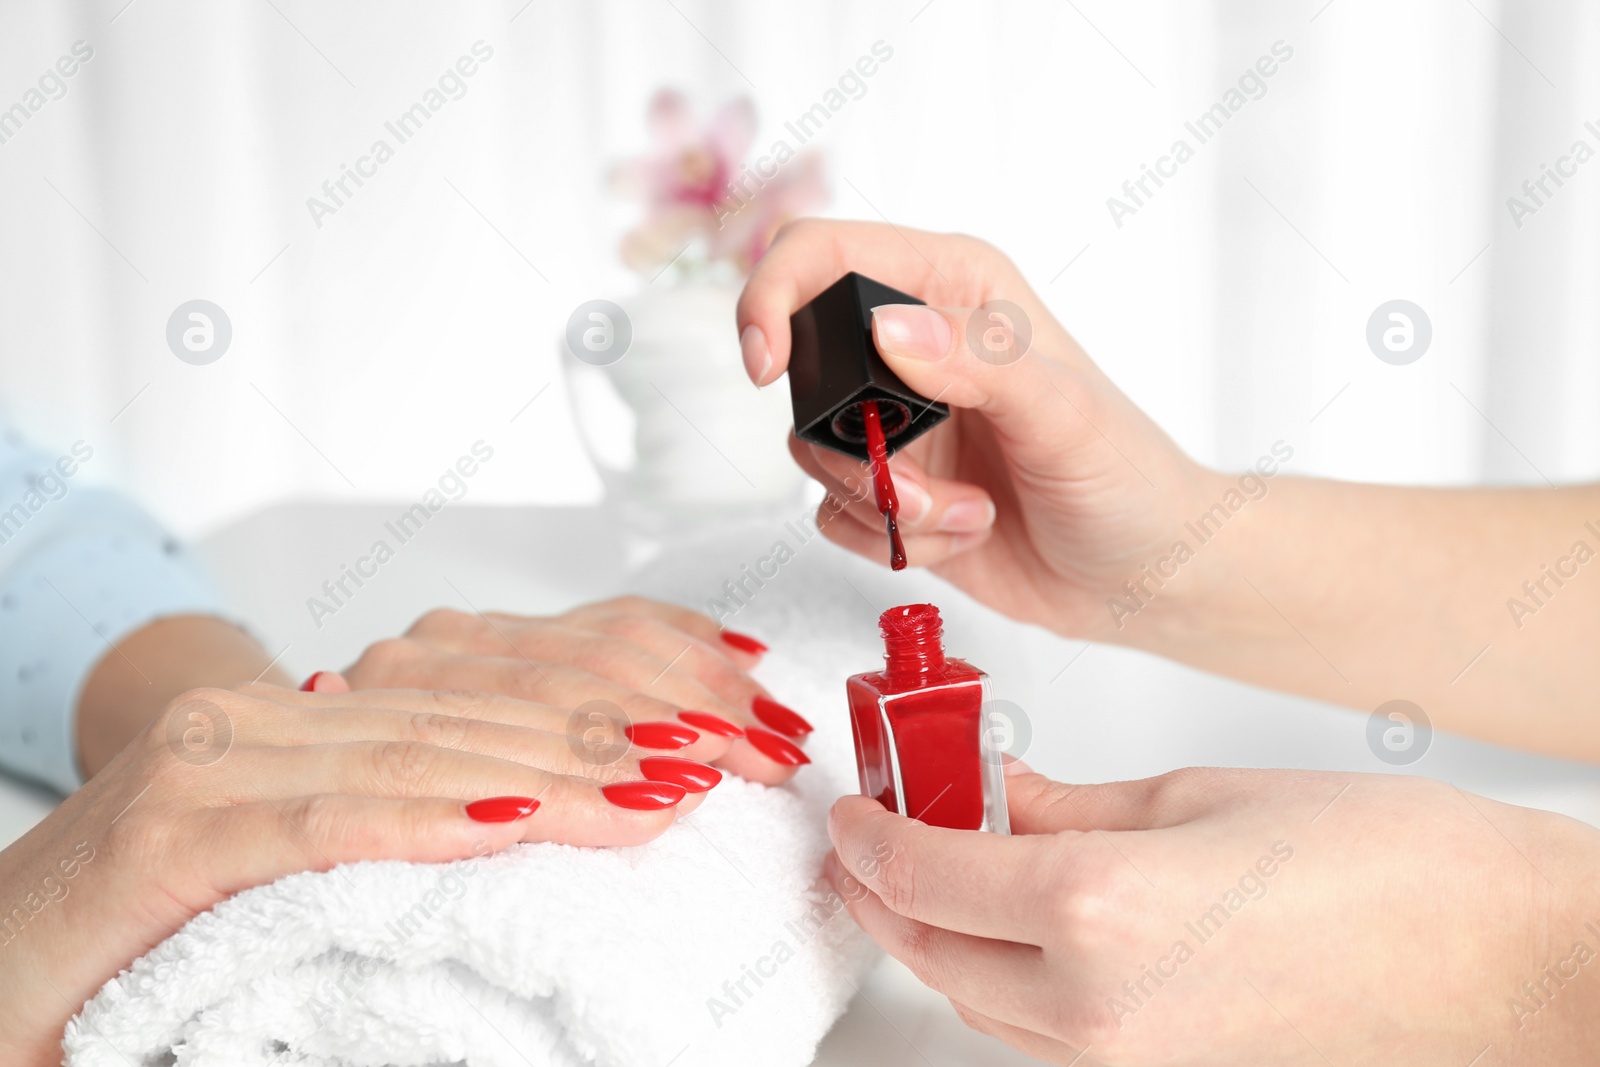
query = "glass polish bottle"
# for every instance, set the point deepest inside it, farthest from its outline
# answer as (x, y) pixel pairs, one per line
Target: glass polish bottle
(919, 729)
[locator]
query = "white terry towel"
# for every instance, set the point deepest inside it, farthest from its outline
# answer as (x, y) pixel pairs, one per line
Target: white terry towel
(717, 944)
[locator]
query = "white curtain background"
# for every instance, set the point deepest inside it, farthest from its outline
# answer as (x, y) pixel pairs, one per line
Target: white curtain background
(370, 352)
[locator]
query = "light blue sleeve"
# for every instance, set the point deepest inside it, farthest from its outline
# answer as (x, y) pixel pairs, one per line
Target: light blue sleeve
(80, 568)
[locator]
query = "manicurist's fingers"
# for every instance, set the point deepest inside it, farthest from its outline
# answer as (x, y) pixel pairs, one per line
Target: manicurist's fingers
(922, 550)
(927, 504)
(1001, 977)
(1024, 1040)
(973, 883)
(810, 255)
(1039, 805)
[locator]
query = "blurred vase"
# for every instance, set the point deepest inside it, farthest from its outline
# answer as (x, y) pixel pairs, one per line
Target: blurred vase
(680, 438)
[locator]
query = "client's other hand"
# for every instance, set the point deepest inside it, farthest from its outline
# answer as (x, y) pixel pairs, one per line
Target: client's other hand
(663, 677)
(229, 789)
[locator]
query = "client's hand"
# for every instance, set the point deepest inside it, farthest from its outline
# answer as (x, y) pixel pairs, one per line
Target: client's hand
(228, 789)
(1226, 917)
(666, 677)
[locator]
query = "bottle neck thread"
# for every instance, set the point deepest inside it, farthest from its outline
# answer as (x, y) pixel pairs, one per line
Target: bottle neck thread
(913, 644)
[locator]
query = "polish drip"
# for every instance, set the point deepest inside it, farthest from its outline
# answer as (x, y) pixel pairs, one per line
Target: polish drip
(882, 484)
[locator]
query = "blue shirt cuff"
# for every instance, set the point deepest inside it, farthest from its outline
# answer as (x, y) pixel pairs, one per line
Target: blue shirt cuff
(62, 607)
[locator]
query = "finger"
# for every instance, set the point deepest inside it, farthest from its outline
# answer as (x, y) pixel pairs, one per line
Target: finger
(849, 487)
(922, 550)
(602, 717)
(973, 883)
(673, 654)
(1046, 412)
(933, 346)
(640, 653)
(1039, 1046)
(690, 622)
(325, 682)
(927, 504)
(1002, 977)
(1039, 805)
(532, 734)
(254, 843)
(572, 810)
(405, 663)
(808, 256)
(587, 741)
(763, 756)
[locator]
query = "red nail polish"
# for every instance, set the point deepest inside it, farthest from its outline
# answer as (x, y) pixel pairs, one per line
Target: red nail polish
(310, 684)
(660, 734)
(693, 777)
(784, 720)
(711, 724)
(501, 809)
(882, 484)
(919, 729)
(743, 642)
(775, 748)
(643, 796)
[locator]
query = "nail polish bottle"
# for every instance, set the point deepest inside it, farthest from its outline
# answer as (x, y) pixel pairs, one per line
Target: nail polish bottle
(834, 368)
(919, 729)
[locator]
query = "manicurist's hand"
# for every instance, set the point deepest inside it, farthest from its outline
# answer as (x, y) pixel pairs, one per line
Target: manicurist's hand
(228, 789)
(1227, 917)
(669, 679)
(1046, 489)
(1050, 497)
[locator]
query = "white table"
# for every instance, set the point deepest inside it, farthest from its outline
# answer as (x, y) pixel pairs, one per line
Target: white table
(1118, 714)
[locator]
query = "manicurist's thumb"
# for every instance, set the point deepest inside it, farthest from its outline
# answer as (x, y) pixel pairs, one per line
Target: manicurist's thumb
(980, 358)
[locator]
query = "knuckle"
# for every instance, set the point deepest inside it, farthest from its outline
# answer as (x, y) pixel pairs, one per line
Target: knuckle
(1174, 789)
(197, 726)
(794, 228)
(437, 730)
(628, 625)
(439, 620)
(402, 768)
(1058, 806)
(1085, 1022)
(971, 245)
(922, 951)
(970, 1018)
(1087, 899)
(897, 885)
(388, 655)
(320, 817)
(141, 838)
(462, 703)
(612, 657)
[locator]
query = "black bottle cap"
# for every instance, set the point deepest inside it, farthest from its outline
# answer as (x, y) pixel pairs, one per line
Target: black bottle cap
(834, 367)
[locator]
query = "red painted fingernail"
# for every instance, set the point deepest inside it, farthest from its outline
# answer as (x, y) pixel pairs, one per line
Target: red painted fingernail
(660, 734)
(643, 796)
(776, 748)
(786, 721)
(310, 684)
(501, 809)
(693, 777)
(743, 642)
(711, 724)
